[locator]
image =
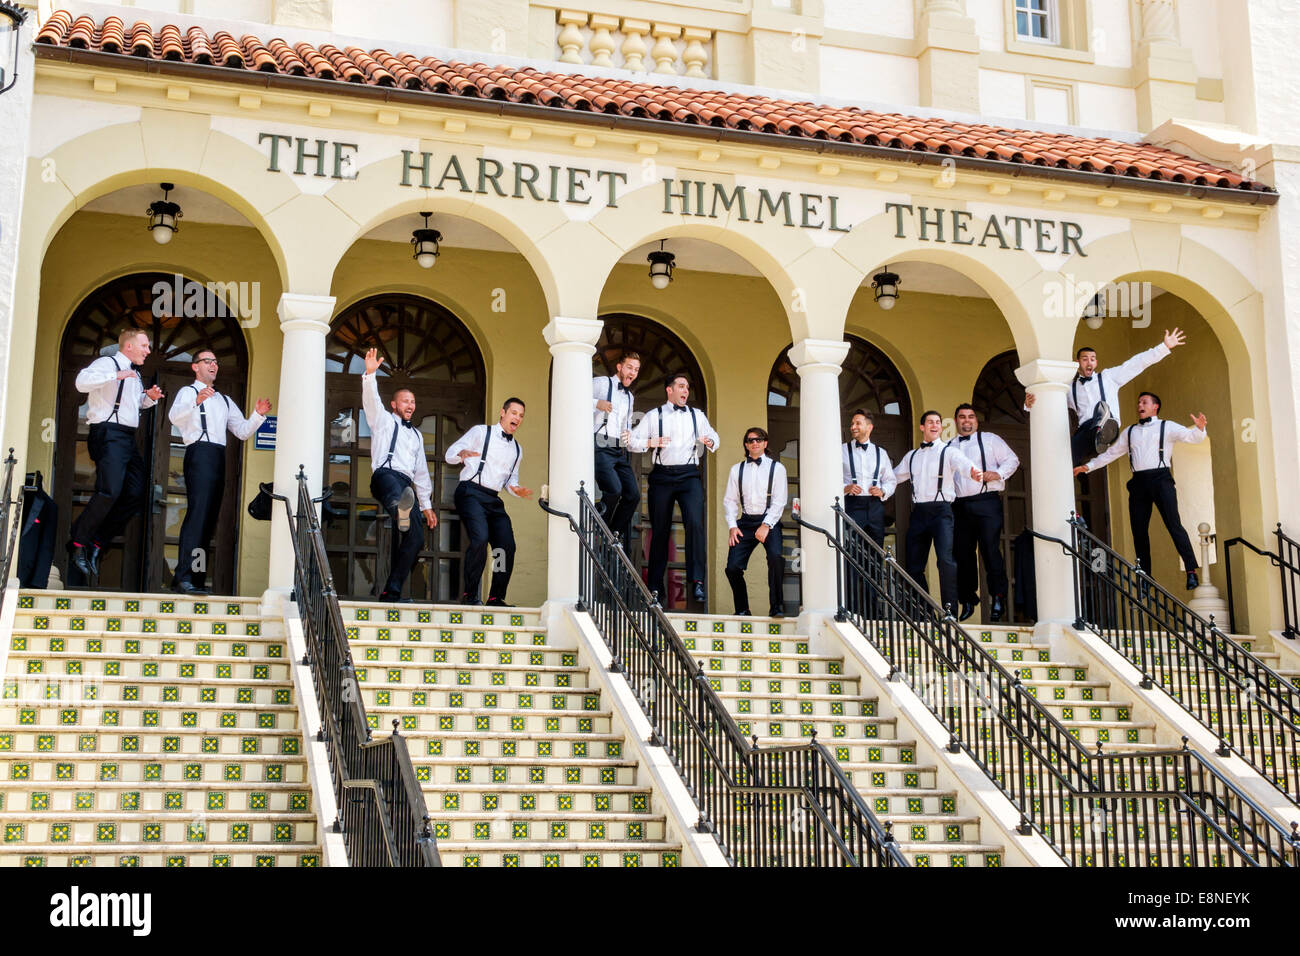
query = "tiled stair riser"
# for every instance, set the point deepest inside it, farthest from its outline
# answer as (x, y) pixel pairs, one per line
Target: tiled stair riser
(513, 747)
(150, 731)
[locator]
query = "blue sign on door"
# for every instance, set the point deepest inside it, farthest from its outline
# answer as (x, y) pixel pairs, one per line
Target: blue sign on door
(264, 437)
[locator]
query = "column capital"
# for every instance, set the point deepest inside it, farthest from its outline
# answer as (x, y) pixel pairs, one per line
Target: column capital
(562, 331)
(309, 313)
(1046, 375)
(819, 353)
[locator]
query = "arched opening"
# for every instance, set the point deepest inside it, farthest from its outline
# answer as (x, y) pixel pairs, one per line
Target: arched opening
(868, 380)
(661, 352)
(181, 317)
(429, 350)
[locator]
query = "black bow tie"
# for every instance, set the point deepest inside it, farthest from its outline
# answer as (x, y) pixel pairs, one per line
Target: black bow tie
(622, 387)
(679, 408)
(861, 444)
(962, 438)
(1082, 380)
(754, 461)
(406, 422)
(926, 444)
(507, 437)
(1143, 421)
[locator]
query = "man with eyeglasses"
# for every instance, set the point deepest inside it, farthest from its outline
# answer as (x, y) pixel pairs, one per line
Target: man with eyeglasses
(203, 415)
(115, 398)
(757, 489)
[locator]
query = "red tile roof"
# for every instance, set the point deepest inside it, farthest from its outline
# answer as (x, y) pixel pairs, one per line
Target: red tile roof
(629, 98)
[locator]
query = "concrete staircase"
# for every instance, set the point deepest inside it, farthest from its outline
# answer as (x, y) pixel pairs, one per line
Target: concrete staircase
(150, 731)
(780, 692)
(514, 749)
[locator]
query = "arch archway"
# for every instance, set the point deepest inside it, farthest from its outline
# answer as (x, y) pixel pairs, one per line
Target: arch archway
(868, 380)
(427, 349)
(662, 352)
(147, 553)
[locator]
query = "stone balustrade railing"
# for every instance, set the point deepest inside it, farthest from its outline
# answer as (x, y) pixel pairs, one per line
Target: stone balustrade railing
(639, 46)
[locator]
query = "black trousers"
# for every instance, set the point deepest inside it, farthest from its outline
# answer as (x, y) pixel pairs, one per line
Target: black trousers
(977, 521)
(120, 480)
(931, 523)
(483, 516)
(205, 482)
(386, 487)
(1156, 487)
(738, 559)
(620, 492)
(669, 485)
(869, 512)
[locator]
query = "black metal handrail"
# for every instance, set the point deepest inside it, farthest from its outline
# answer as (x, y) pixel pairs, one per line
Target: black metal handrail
(11, 515)
(1287, 560)
(381, 806)
(1093, 808)
(1207, 673)
(771, 806)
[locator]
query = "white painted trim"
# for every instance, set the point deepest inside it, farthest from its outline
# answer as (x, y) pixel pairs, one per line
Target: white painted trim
(1173, 722)
(698, 849)
(8, 613)
(997, 813)
(1287, 648)
(332, 847)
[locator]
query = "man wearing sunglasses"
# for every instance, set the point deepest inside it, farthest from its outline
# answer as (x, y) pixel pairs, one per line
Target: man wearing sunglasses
(755, 498)
(203, 416)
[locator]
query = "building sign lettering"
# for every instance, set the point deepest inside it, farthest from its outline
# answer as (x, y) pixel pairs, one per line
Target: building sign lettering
(579, 186)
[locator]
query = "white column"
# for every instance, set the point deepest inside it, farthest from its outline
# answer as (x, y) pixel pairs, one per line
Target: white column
(572, 459)
(300, 432)
(1052, 480)
(818, 362)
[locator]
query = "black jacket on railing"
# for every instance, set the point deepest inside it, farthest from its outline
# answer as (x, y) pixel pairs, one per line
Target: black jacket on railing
(37, 539)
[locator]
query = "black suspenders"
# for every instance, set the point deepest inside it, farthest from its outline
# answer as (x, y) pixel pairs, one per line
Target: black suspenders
(203, 415)
(984, 465)
(740, 482)
(1133, 467)
(938, 488)
(695, 434)
(1074, 389)
(397, 428)
(117, 402)
(853, 471)
(478, 475)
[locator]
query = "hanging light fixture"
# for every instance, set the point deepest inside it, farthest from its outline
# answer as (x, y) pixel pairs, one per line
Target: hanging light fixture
(425, 243)
(662, 264)
(1094, 312)
(885, 287)
(163, 216)
(12, 18)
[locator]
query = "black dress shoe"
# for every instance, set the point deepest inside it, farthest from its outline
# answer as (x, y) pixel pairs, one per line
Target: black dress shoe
(80, 560)
(185, 587)
(967, 609)
(997, 610)
(1193, 582)
(469, 600)
(95, 552)
(697, 592)
(776, 612)
(497, 602)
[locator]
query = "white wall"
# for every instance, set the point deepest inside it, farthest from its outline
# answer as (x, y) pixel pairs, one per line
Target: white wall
(1106, 107)
(869, 77)
(426, 22)
(987, 15)
(15, 121)
(1003, 94)
(1112, 33)
(1198, 28)
(890, 18)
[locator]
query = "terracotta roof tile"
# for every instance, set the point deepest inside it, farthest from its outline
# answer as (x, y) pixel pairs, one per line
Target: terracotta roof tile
(631, 98)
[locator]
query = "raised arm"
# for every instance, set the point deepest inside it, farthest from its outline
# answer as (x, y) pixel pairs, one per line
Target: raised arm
(239, 426)
(1125, 373)
(471, 441)
(99, 372)
(184, 410)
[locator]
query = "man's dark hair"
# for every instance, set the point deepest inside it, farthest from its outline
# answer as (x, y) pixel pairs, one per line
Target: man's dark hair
(864, 413)
(672, 377)
(1082, 349)
(629, 354)
(964, 406)
(513, 401)
(1151, 395)
(399, 391)
(926, 414)
(756, 432)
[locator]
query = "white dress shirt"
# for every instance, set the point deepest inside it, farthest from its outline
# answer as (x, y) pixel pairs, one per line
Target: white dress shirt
(1082, 397)
(1142, 444)
(99, 381)
(748, 482)
(674, 423)
(863, 464)
(989, 453)
(217, 414)
(501, 467)
(921, 467)
(408, 451)
(610, 425)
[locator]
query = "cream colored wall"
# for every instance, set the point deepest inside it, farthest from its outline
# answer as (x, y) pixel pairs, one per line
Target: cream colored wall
(95, 248)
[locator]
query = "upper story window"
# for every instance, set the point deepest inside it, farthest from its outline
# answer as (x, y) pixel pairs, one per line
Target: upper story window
(1036, 20)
